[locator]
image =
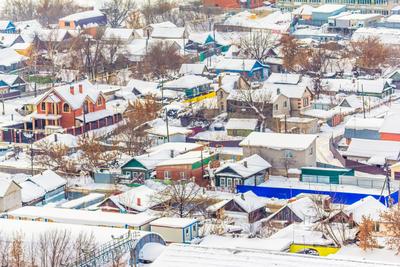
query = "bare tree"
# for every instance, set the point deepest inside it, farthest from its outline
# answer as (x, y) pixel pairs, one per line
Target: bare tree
(49, 11)
(258, 45)
(117, 11)
(365, 235)
(158, 11)
(54, 248)
(289, 48)
(369, 53)
(183, 199)
(391, 223)
(4, 250)
(53, 156)
(132, 132)
(19, 10)
(162, 58)
(95, 154)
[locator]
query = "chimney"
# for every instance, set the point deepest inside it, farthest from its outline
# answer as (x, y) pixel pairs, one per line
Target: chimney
(80, 89)
(138, 201)
(172, 154)
(55, 138)
(71, 90)
(245, 163)
(219, 81)
(278, 91)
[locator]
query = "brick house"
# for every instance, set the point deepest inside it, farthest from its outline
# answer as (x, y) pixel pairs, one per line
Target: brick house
(233, 3)
(186, 166)
(63, 107)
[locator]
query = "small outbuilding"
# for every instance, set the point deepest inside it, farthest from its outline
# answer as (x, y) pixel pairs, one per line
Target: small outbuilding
(176, 230)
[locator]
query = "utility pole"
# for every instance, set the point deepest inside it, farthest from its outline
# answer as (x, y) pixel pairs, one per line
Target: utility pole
(285, 124)
(166, 113)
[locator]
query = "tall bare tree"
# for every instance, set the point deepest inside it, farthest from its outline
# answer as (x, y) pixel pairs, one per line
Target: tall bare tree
(54, 156)
(365, 235)
(289, 48)
(369, 53)
(117, 11)
(391, 224)
(258, 45)
(19, 10)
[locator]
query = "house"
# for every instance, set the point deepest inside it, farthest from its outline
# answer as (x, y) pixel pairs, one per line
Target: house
(390, 129)
(245, 207)
(10, 195)
(227, 82)
(193, 69)
(282, 151)
(191, 85)
(207, 43)
(161, 134)
(31, 193)
(352, 21)
(73, 105)
(300, 95)
(176, 230)
(135, 200)
(53, 184)
(10, 39)
(169, 33)
(352, 101)
(142, 167)
(368, 207)
(166, 25)
(233, 4)
(395, 171)
(58, 38)
(377, 88)
(7, 26)
(122, 35)
(321, 14)
(284, 78)
(298, 125)
(361, 128)
(324, 175)
(251, 69)
(14, 82)
(10, 60)
(373, 152)
(251, 170)
(241, 127)
(299, 210)
(83, 20)
(303, 12)
(186, 166)
(24, 49)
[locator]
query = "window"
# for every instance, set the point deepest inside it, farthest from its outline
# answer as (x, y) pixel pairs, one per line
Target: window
(43, 106)
(187, 231)
(167, 175)
(100, 101)
(305, 102)
(237, 182)
(182, 175)
(222, 182)
(288, 154)
(86, 107)
(66, 108)
(276, 107)
(376, 227)
(194, 227)
(229, 182)
(285, 104)
(67, 24)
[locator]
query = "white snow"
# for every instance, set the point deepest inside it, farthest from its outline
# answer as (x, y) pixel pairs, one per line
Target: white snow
(246, 167)
(364, 124)
(391, 123)
(368, 207)
(279, 141)
(284, 78)
(83, 15)
(241, 124)
(4, 185)
(173, 222)
(372, 148)
(190, 157)
(48, 180)
(82, 200)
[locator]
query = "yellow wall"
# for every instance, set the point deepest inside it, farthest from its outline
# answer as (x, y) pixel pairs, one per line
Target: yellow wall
(395, 168)
(200, 98)
(322, 250)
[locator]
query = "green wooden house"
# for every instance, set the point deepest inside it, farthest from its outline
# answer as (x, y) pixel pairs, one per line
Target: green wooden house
(324, 175)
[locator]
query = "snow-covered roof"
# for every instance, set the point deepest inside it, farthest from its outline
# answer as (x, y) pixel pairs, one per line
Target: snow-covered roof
(190, 157)
(82, 200)
(76, 99)
(393, 19)
(353, 100)
(368, 207)
(173, 222)
(236, 64)
(279, 141)
(48, 180)
(348, 85)
(4, 24)
(175, 146)
(52, 35)
(193, 68)
(289, 90)
(364, 123)
(83, 217)
(246, 167)
(241, 124)
(164, 24)
(250, 202)
(8, 39)
(8, 57)
(97, 115)
(305, 209)
(277, 22)
(385, 35)
(366, 148)
(9, 78)
(161, 130)
(229, 81)
(284, 78)
(328, 8)
(118, 33)
(357, 16)
(144, 87)
(32, 25)
(150, 160)
(67, 140)
(391, 123)
(182, 255)
(83, 15)
(187, 82)
(168, 32)
(31, 191)
(303, 10)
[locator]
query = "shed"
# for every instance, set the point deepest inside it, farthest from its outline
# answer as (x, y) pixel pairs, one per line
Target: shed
(52, 183)
(10, 195)
(176, 230)
(241, 127)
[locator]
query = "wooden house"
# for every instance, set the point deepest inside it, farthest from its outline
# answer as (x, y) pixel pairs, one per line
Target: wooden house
(191, 85)
(176, 230)
(252, 170)
(251, 69)
(241, 127)
(7, 26)
(83, 20)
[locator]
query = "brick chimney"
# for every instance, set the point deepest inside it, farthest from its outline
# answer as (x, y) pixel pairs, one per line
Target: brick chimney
(72, 90)
(81, 89)
(138, 201)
